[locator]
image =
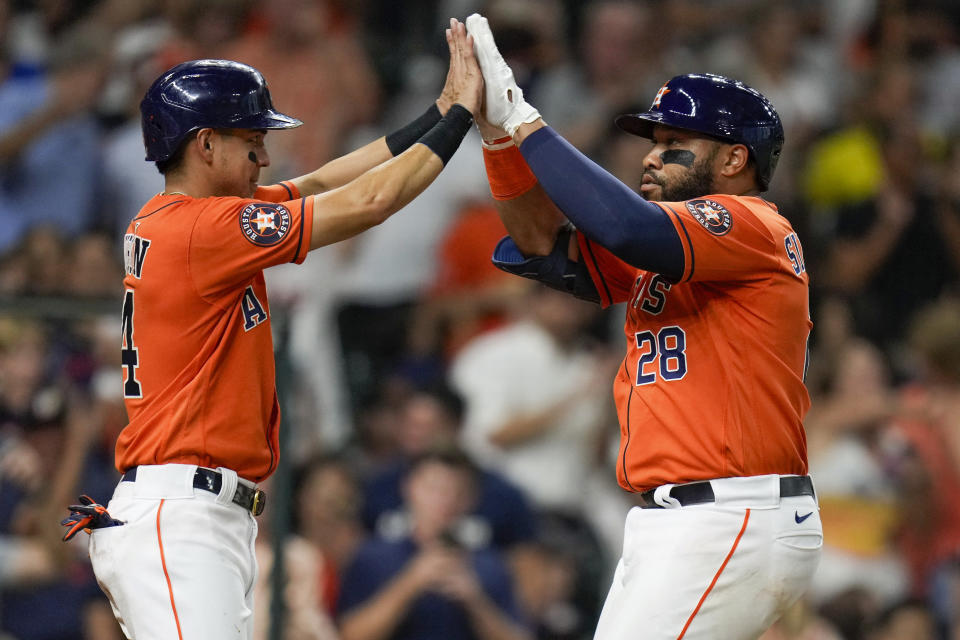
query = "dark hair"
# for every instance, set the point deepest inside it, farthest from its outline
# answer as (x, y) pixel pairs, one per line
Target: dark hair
(885, 616)
(449, 400)
(449, 456)
(172, 163)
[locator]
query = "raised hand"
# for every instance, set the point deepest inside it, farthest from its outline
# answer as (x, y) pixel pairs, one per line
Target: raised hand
(504, 103)
(464, 83)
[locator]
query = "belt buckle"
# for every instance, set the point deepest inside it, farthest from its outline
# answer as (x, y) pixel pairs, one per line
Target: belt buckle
(259, 502)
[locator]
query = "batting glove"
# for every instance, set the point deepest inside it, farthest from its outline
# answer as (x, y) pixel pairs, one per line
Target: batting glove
(87, 516)
(505, 106)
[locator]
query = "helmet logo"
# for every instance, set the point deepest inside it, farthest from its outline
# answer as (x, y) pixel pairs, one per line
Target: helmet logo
(656, 101)
(264, 224)
(712, 215)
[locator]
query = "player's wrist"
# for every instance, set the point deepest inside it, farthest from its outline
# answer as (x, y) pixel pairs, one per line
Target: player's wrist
(405, 137)
(496, 144)
(507, 171)
(445, 136)
(443, 105)
(527, 128)
(522, 113)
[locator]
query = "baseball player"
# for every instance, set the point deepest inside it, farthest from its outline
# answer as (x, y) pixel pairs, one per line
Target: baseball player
(175, 552)
(710, 395)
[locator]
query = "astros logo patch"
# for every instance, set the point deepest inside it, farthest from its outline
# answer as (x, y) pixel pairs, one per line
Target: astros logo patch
(264, 224)
(712, 215)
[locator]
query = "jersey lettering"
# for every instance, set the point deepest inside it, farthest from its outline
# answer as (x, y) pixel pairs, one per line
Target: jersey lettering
(656, 295)
(253, 312)
(650, 293)
(670, 346)
(134, 253)
(795, 252)
(129, 356)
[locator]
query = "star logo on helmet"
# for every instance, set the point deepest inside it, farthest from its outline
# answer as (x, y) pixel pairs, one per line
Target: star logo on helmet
(264, 224)
(656, 101)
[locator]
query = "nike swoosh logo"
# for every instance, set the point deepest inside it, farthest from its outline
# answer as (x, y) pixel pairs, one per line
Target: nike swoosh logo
(800, 518)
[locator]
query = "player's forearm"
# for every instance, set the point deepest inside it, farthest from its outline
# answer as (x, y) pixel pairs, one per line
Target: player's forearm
(532, 220)
(373, 197)
(382, 191)
(344, 169)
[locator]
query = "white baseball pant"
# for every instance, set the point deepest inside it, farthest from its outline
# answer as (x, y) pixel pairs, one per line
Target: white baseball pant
(726, 569)
(183, 566)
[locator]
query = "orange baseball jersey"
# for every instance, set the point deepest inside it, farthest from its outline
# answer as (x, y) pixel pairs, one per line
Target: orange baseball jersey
(712, 383)
(197, 351)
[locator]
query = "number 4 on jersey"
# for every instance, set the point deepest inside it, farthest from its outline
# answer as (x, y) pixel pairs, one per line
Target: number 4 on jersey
(128, 352)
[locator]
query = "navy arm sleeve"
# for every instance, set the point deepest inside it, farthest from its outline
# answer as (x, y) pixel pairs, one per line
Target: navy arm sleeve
(603, 208)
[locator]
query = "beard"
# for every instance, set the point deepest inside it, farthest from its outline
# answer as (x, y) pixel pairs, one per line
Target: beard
(696, 183)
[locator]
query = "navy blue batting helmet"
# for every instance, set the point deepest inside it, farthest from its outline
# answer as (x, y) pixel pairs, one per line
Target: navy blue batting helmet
(720, 108)
(219, 94)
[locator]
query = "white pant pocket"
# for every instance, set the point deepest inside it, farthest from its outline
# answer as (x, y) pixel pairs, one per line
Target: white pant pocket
(802, 541)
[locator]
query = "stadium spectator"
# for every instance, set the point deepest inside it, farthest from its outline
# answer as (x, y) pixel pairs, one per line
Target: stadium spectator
(429, 584)
(500, 514)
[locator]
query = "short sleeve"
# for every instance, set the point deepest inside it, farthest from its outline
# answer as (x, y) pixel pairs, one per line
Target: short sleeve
(723, 239)
(281, 192)
(613, 278)
(233, 239)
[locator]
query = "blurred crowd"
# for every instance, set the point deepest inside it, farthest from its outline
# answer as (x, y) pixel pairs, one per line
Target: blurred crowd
(450, 428)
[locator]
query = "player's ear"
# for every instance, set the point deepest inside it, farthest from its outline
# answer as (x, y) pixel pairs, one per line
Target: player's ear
(736, 158)
(205, 143)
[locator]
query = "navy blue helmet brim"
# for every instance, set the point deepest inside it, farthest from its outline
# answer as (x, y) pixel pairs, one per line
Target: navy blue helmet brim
(271, 119)
(639, 124)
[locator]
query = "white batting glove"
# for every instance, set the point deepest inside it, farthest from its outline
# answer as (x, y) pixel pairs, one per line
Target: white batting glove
(505, 106)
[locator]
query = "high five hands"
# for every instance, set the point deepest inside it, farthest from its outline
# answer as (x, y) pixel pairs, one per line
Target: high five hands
(504, 104)
(464, 83)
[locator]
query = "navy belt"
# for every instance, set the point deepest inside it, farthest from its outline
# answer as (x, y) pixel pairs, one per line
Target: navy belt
(253, 500)
(702, 492)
